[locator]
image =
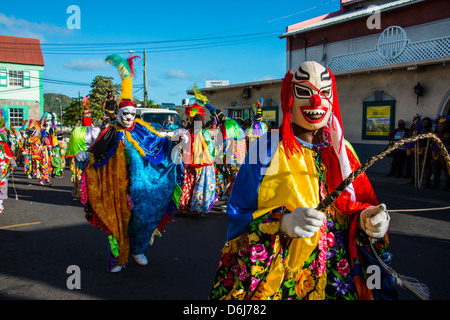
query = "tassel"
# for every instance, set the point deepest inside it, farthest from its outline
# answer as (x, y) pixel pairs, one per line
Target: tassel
(236, 244)
(412, 284)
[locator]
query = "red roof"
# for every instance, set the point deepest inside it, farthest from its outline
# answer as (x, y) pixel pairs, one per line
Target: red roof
(21, 50)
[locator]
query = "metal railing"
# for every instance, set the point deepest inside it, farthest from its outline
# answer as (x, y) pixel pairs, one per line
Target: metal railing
(417, 51)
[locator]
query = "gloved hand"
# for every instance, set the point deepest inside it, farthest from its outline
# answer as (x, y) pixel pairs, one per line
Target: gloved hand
(82, 156)
(302, 222)
(374, 220)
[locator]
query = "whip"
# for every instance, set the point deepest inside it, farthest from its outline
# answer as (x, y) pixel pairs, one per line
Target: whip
(411, 284)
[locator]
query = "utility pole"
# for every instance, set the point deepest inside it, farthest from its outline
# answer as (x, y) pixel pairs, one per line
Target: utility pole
(60, 113)
(145, 78)
(81, 107)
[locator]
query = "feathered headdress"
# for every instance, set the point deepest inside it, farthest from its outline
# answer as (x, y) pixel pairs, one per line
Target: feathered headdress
(442, 119)
(197, 105)
(192, 110)
(200, 99)
(125, 66)
(258, 115)
(34, 126)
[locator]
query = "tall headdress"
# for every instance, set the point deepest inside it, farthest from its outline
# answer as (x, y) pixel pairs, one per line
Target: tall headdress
(87, 120)
(258, 115)
(197, 105)
(125, 66)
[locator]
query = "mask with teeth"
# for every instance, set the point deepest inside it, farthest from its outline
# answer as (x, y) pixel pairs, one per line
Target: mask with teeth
(126, 116)
(312, 92)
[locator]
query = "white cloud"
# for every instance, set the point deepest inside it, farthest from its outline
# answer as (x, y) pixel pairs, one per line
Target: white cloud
(176, 74)
(84, 65)
(264, 78)
(206, 75)
(12, 26)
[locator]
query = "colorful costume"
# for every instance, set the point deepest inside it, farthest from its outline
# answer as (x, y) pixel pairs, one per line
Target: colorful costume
(258, 128)
(231, 144)
(6, 161)
(129, 180)
(278, 246)
(57, 155)
(199, 186)
(81, 138)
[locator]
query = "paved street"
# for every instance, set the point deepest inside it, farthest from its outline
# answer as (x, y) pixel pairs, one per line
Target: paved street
(44, 232)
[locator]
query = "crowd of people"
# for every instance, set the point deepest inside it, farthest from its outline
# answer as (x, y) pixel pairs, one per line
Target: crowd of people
(422, 162)
(38, 146)
(281, 244)
(212, 153)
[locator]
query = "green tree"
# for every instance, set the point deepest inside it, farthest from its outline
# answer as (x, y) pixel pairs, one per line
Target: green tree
(73, 113)
(152, 104)
(100, 87)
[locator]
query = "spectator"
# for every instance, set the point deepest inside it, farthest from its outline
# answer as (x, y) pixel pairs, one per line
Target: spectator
(399, 154)
(109, 106)
(438, 163)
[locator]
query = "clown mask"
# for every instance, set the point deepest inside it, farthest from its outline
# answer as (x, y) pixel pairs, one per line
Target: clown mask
(312, 91)
(126, 116)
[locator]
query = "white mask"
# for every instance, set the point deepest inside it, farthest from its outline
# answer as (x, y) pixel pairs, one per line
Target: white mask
(312, 86)
(126, 116)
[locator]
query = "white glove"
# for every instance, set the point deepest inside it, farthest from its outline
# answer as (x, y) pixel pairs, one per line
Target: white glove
(302, 222)
(374, 220)
(82, 156)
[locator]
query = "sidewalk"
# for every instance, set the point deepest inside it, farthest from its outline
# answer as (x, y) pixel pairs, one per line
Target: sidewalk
(381, 177)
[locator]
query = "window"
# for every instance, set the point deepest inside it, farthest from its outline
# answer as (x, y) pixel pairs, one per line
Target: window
(15, 117)
(15, 78)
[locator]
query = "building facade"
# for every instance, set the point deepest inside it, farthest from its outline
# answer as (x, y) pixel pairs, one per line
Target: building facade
(390, 60)
(21, 79)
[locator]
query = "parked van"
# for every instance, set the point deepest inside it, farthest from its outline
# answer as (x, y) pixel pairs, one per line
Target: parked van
(164, 121)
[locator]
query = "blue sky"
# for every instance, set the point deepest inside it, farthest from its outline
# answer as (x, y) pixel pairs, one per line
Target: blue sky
(240, 40)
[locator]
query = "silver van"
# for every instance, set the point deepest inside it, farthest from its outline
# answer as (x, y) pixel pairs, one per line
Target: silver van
(164, 121)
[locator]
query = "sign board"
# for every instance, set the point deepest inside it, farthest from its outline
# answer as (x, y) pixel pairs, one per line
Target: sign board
(378, 120)
(216, 83)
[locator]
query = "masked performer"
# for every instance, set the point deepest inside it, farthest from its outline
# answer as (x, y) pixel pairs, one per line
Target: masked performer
(81, 138)
(199, 186)
(231, 144)
(129, 179)
(279, 246)
(7, 161)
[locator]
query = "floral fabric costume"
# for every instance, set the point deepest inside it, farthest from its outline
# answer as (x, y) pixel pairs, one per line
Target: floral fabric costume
(259, 262)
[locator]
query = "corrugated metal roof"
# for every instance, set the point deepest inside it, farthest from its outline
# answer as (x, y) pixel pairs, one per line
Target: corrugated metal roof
(347, 16)
(21, 50)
